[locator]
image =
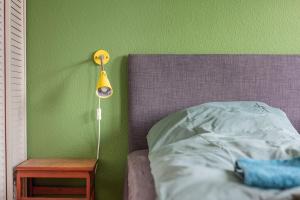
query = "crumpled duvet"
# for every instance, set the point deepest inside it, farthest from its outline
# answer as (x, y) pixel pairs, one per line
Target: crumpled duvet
(192, 152)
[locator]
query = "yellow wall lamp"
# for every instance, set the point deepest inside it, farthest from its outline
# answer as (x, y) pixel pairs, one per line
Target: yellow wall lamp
(103, 88)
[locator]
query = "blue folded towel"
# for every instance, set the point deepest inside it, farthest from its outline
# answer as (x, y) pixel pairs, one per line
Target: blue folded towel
(275, 174)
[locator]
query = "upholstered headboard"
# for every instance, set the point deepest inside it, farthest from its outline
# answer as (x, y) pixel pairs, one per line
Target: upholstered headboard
(160, 84)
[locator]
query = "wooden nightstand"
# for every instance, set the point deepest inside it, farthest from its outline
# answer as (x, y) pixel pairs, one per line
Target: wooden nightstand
(55, 168)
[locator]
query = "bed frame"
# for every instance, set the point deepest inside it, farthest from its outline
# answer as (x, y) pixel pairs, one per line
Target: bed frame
(161, 84)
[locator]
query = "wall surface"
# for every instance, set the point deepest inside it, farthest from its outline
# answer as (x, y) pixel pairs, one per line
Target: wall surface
(63, 34)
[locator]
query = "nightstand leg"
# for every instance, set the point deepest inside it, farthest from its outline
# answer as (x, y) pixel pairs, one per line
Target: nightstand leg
(88, 187)
(19, 186)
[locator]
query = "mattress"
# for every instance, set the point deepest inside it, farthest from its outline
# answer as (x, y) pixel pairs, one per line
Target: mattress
(140, 181)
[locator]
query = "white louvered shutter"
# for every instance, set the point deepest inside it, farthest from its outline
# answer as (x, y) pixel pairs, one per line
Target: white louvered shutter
(2, 108)
(12, 92)
(15, 88)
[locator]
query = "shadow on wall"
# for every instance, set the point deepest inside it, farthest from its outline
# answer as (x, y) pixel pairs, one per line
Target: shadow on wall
(118, 130)
(111, 170)
(64, 74)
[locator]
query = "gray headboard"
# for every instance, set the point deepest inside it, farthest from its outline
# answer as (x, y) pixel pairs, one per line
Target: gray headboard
(160, 84)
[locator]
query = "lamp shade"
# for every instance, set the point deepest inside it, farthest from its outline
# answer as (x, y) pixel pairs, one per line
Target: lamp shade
(104, 89)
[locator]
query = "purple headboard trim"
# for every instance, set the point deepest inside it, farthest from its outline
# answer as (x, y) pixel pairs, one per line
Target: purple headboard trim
(160, 84)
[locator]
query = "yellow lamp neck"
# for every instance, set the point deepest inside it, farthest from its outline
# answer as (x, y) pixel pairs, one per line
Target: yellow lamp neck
(101, 63)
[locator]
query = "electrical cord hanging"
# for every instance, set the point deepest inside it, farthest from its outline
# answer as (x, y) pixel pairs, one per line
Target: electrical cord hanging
(99, 125)
(99, 133)
(99, 128)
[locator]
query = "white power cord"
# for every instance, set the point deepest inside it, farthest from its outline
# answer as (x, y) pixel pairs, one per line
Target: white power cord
(99, 130)
(99, 115)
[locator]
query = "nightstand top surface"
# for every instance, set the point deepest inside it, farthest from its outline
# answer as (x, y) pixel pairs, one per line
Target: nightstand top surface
(58, 164)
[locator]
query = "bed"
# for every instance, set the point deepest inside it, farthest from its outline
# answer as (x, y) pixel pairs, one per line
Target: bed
(161, 84)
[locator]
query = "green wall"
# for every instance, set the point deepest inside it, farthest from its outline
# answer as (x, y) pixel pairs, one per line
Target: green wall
(63, 34)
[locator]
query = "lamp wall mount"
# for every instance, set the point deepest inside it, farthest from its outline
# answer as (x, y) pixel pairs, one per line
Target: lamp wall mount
(101, 54)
